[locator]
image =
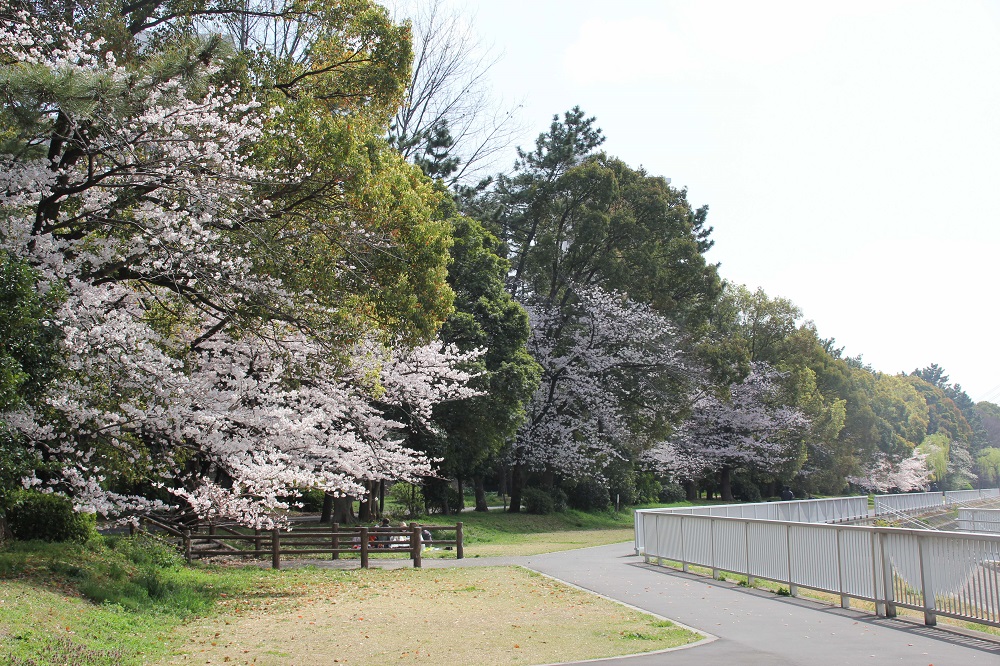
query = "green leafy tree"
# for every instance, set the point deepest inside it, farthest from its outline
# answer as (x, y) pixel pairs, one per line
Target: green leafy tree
(474, 431)
(988, 465)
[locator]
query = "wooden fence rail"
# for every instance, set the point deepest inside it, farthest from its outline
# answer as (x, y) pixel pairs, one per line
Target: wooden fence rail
(335, 540)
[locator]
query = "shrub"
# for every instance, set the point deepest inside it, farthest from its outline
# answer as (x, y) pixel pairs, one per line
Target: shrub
(537, 501)
(589, 495)
(648, 488)
(312, 500)
(48, 517)
(408, 496)
(744, 489)
(672, 492)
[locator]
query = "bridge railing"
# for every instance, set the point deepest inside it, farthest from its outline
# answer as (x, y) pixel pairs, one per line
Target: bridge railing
(940, 573)
(828, 510)
(979, 520)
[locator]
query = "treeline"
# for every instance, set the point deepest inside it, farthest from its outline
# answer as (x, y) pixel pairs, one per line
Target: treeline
(244, 257)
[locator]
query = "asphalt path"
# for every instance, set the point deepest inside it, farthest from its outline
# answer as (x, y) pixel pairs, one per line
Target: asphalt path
(754, 627)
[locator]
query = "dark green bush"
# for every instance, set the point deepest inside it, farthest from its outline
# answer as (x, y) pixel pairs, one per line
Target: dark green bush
(537, 501)
(311, 500)
(559, 499)
(589, 495)
(647, 488)
(48, 517)
(672, 492)
(744, 489)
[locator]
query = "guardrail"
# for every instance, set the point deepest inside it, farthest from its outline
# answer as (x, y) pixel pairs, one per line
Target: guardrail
(829, 510)
(960, 496)
(940, 573)
(979, 520)
(889, 504)
(903, 502)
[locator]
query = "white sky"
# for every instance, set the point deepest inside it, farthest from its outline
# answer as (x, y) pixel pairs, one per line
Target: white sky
(849, 152)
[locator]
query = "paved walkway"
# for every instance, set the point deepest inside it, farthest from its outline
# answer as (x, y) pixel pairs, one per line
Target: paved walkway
(747, 627)
(755, 627)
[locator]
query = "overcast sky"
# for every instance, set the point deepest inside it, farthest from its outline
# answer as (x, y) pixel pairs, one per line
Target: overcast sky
(849, 152)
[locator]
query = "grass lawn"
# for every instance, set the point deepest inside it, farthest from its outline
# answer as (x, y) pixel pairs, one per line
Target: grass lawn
(121, 601)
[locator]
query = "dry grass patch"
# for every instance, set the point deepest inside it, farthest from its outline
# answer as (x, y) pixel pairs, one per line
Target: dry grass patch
(471, 615)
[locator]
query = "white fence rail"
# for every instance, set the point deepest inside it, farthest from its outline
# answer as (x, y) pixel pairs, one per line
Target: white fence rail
(831, 510)
(907, 502)
(979, 520)
(960, 496)
(889, 504)
(939, 573)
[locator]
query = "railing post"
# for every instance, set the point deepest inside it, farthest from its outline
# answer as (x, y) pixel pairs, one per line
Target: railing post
(684, 557)
(888, 586)
(187, 545)
(364, 547)
(845, 601)
(927, 584)
(711, 531)
(645, 542)
(459, 541)
(275, 548)
(335, 539)
(416, 545)
(793, 589)
(746, 547)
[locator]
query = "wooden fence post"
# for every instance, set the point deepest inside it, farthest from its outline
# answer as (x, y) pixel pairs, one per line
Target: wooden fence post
(364, 547)
(335, 539)
(187, 545)
(459, 546)
(416, 545)
(275, 549)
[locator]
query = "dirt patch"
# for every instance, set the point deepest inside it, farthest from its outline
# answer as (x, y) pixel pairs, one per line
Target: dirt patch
(484, 615)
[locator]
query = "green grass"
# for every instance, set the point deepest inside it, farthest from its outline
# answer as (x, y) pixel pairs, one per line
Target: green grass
(109, 601)
(120, 601)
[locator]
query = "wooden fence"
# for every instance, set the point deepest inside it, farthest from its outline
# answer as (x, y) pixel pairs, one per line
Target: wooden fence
(305, 539)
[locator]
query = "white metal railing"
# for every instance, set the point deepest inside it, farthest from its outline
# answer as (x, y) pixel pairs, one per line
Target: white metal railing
(890, 504)
(885, 504)
(960, 496)
(950, 574)
(829, 510)
(979, 520)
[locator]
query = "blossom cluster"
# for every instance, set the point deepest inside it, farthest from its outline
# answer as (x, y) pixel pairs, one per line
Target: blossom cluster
(144, 213)
(604, 361)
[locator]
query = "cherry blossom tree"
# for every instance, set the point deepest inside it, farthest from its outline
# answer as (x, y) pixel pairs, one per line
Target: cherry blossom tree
(611, 372)
(210, 341)
(747, 428)
(883, 474)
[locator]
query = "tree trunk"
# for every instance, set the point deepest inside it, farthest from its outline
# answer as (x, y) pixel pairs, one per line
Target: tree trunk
(726, 483)
(516, 485)
(343, 510)
(461, 495)
(327, 515)
(502, 489)
(381, 497)
(690, 490)
(477, 481)
(365, 510)
(548, 478)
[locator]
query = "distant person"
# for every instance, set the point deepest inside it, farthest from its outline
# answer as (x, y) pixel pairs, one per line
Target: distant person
(787, 494)
(382, 540)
